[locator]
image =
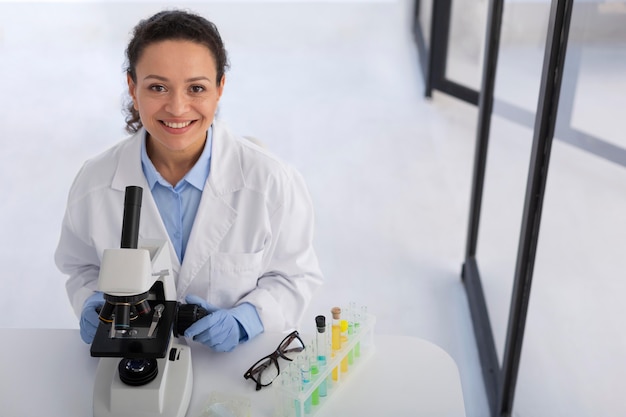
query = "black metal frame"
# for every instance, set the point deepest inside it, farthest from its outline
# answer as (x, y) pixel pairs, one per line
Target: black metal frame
(500, 382)
(470, 273)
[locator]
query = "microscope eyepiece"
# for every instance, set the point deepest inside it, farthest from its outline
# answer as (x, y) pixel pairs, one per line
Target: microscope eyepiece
(132, 214)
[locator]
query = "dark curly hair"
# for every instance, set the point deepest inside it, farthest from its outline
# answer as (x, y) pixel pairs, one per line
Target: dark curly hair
(171, 25)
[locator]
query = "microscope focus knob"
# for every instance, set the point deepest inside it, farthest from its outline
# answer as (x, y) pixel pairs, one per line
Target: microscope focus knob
(187, 315)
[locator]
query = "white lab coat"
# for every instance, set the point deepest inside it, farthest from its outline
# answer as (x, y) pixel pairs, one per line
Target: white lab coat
(251, 240)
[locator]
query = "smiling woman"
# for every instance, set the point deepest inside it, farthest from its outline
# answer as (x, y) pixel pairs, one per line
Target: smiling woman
(239, 221)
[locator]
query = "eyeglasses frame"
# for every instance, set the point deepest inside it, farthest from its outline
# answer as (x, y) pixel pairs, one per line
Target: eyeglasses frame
(273, 358)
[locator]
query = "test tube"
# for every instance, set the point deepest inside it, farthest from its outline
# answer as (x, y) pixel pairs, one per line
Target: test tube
(335, 372)
(357, 331)
(336, 328)
(322, 350)
(315, 397)
(296, 383)
(287, 406)
(336, 337)
(305, 372)
(351, 329)
(343, 324)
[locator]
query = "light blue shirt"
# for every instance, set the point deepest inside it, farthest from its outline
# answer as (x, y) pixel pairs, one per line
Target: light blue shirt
(178, 204)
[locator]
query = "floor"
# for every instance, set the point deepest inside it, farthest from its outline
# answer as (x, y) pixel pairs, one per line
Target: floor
(333, 87)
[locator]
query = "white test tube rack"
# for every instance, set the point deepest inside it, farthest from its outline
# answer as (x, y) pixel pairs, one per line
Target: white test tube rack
(295, 400)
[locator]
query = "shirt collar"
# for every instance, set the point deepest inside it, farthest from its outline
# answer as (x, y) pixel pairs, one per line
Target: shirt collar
(198, 174)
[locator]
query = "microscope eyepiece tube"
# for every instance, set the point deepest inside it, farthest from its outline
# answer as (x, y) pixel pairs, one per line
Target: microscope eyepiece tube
(132, 213)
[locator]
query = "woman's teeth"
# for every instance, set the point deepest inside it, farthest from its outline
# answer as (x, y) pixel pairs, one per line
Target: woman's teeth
(177, 125)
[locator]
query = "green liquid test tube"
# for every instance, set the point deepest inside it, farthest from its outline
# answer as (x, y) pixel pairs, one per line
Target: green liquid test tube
(315, 397)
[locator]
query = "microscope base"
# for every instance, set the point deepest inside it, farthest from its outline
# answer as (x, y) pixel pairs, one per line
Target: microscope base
(168, 395)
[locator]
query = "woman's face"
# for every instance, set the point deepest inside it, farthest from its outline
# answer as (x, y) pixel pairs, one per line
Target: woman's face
(176, 95)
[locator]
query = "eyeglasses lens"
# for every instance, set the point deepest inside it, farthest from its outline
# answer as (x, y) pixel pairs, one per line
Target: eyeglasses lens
(291, 346)
(265, 371)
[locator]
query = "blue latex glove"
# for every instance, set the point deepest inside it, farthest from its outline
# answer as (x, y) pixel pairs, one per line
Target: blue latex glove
(89, 320)
(221, 330)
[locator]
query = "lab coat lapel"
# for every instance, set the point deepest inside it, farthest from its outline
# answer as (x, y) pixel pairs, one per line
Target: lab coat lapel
(129, 172)
(215, 216)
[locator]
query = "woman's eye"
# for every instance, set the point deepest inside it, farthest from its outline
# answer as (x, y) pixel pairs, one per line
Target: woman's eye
(197, 88)
(157, 88)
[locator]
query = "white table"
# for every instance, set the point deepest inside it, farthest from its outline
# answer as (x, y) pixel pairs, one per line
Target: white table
(50, 372)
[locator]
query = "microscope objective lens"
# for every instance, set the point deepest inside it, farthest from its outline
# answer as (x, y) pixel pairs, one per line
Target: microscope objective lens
(122, 316)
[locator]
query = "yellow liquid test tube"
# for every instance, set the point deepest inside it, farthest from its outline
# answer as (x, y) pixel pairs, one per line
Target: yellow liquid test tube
(335, 337)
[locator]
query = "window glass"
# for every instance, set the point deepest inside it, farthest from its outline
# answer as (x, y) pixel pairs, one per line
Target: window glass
(466, 42)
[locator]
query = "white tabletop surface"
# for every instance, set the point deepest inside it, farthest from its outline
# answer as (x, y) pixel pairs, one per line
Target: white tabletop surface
(50, 372)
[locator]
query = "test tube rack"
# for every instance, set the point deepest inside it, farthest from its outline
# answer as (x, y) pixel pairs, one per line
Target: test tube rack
(294, 400)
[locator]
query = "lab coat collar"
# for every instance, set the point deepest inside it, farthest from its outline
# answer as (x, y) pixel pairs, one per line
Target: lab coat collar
(129, 170)
(226, 174)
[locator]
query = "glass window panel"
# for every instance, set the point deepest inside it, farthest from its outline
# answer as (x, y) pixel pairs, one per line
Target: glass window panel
(501, 213)
(520, 60)
(466, 42)
(573, 361)
(600, 90)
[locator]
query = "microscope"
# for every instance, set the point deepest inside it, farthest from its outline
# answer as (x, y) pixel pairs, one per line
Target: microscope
(137, 322)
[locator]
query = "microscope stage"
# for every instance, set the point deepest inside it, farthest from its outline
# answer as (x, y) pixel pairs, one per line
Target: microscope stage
(139, 346)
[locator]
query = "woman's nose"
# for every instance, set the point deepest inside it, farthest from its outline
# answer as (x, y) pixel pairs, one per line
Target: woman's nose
(177, 104)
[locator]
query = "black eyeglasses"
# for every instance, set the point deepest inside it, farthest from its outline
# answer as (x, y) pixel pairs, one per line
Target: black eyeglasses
(266, 369)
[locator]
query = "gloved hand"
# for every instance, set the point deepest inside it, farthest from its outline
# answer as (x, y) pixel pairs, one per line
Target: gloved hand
(221, 330)
(89, 317)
